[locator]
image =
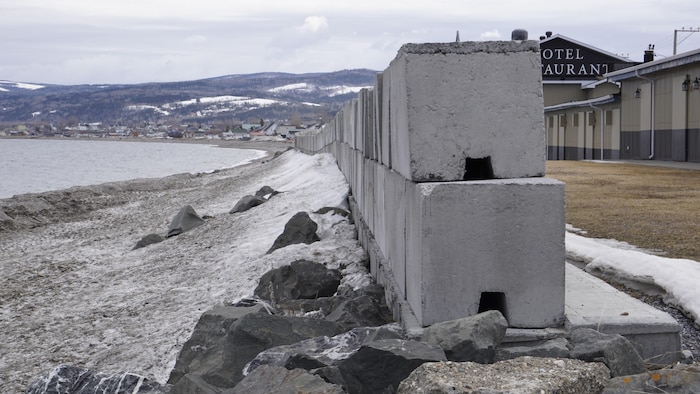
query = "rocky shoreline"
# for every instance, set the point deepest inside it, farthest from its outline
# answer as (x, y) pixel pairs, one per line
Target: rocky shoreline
(313, 321)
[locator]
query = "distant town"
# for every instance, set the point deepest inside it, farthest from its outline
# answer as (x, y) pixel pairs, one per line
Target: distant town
(154, 130)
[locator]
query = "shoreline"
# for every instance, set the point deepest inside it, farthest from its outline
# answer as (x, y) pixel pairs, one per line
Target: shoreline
(74, 292)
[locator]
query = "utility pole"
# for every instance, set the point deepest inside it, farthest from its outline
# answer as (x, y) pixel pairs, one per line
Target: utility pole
(682, 30)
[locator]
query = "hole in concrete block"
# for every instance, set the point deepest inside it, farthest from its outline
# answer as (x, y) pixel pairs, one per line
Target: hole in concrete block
(491, 301)
(478, 169)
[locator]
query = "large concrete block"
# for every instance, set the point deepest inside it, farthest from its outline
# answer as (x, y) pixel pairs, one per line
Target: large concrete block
(395, 216)
(472, 100)
(496, 244)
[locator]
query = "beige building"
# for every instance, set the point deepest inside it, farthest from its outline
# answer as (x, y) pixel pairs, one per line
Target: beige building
(602, 106)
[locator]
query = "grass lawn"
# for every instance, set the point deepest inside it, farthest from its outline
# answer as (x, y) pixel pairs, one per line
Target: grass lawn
(650, 207)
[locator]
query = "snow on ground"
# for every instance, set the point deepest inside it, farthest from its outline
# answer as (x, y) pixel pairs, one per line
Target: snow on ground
(75, 293)
(624, 263)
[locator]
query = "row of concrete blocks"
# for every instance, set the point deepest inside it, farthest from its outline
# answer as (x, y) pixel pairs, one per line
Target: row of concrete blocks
(438, 106)
(455, 247)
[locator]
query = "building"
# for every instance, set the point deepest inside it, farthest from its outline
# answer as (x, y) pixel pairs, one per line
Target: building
(602, 106)
(582, 107)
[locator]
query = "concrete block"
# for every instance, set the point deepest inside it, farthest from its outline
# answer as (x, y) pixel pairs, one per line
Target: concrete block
(386, 120)
(379, 229)
(472, 100)
(369, 183)
(496, 244)
(377, 129)
(395, 216)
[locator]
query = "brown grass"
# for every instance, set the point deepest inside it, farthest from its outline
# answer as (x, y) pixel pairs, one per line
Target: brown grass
(649, 207)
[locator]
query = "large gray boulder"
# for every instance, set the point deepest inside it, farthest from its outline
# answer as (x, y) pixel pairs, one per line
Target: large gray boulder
(380, 366)
(362, 311)
(185, 220)
(66, 379)
(203, 353)
(301, 279)
(323, 351)
(299, 229)
(246, 203)
(519, 375)
(279, 380)
(678, 379)
(149, 239)
(474, 338)
(253, 333)
(616, 351)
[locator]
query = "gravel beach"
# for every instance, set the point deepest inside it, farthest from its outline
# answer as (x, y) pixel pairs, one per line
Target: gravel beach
(72, 290)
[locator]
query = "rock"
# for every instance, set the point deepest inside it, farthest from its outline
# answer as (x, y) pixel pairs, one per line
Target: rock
(299, 229)
(255, 332)
(616, 351)
(474, 338)
(67, 379)
(323, 351)
(300, 279)
(185, 220)
(363, 311)
(519, 375)
(6, 222)
(266, 191)
(247, 202)
(149, 239)
(380, 366)
(679, 379)
(334, 210)
(553, 348)
(279, 380)
(204, 351)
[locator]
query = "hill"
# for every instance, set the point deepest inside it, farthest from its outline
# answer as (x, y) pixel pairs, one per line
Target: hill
(230, 98)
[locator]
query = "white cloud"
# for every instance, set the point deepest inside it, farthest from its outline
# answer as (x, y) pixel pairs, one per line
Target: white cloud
(195, 39)
(490, 35)
(314, 24)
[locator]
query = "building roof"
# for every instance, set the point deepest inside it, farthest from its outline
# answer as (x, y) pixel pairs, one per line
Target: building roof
(584, 103)
(666, 63)
(592, 48)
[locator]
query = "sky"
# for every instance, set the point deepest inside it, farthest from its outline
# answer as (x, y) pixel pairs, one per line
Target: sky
(134, 41)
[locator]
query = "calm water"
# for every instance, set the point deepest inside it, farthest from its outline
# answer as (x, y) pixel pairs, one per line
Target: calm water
(34, 165)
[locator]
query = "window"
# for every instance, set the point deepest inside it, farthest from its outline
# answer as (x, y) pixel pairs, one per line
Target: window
(575, 120)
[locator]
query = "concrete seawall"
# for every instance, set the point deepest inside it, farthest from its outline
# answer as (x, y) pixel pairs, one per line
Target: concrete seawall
(449, 198)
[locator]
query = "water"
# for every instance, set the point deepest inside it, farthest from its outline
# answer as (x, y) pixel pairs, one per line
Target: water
(38, 165)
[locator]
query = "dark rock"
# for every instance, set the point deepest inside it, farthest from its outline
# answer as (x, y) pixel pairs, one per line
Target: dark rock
(247, 202)
(299, 229)
(679, 379)
(616, 351)
(269, 379)
(67, 379)
(149, 239)
(185, 220)
(323, 305)
(381, 365)
(520, 375)
(363, 311)
(204, 351)
(334, 210)
(255, 332)
(474, 338)
(265, 191)
(301, 279)
(323, 351)
(553, 348)
(193, 383)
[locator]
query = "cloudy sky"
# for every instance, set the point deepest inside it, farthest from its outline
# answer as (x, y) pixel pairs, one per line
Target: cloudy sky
(133, 41)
